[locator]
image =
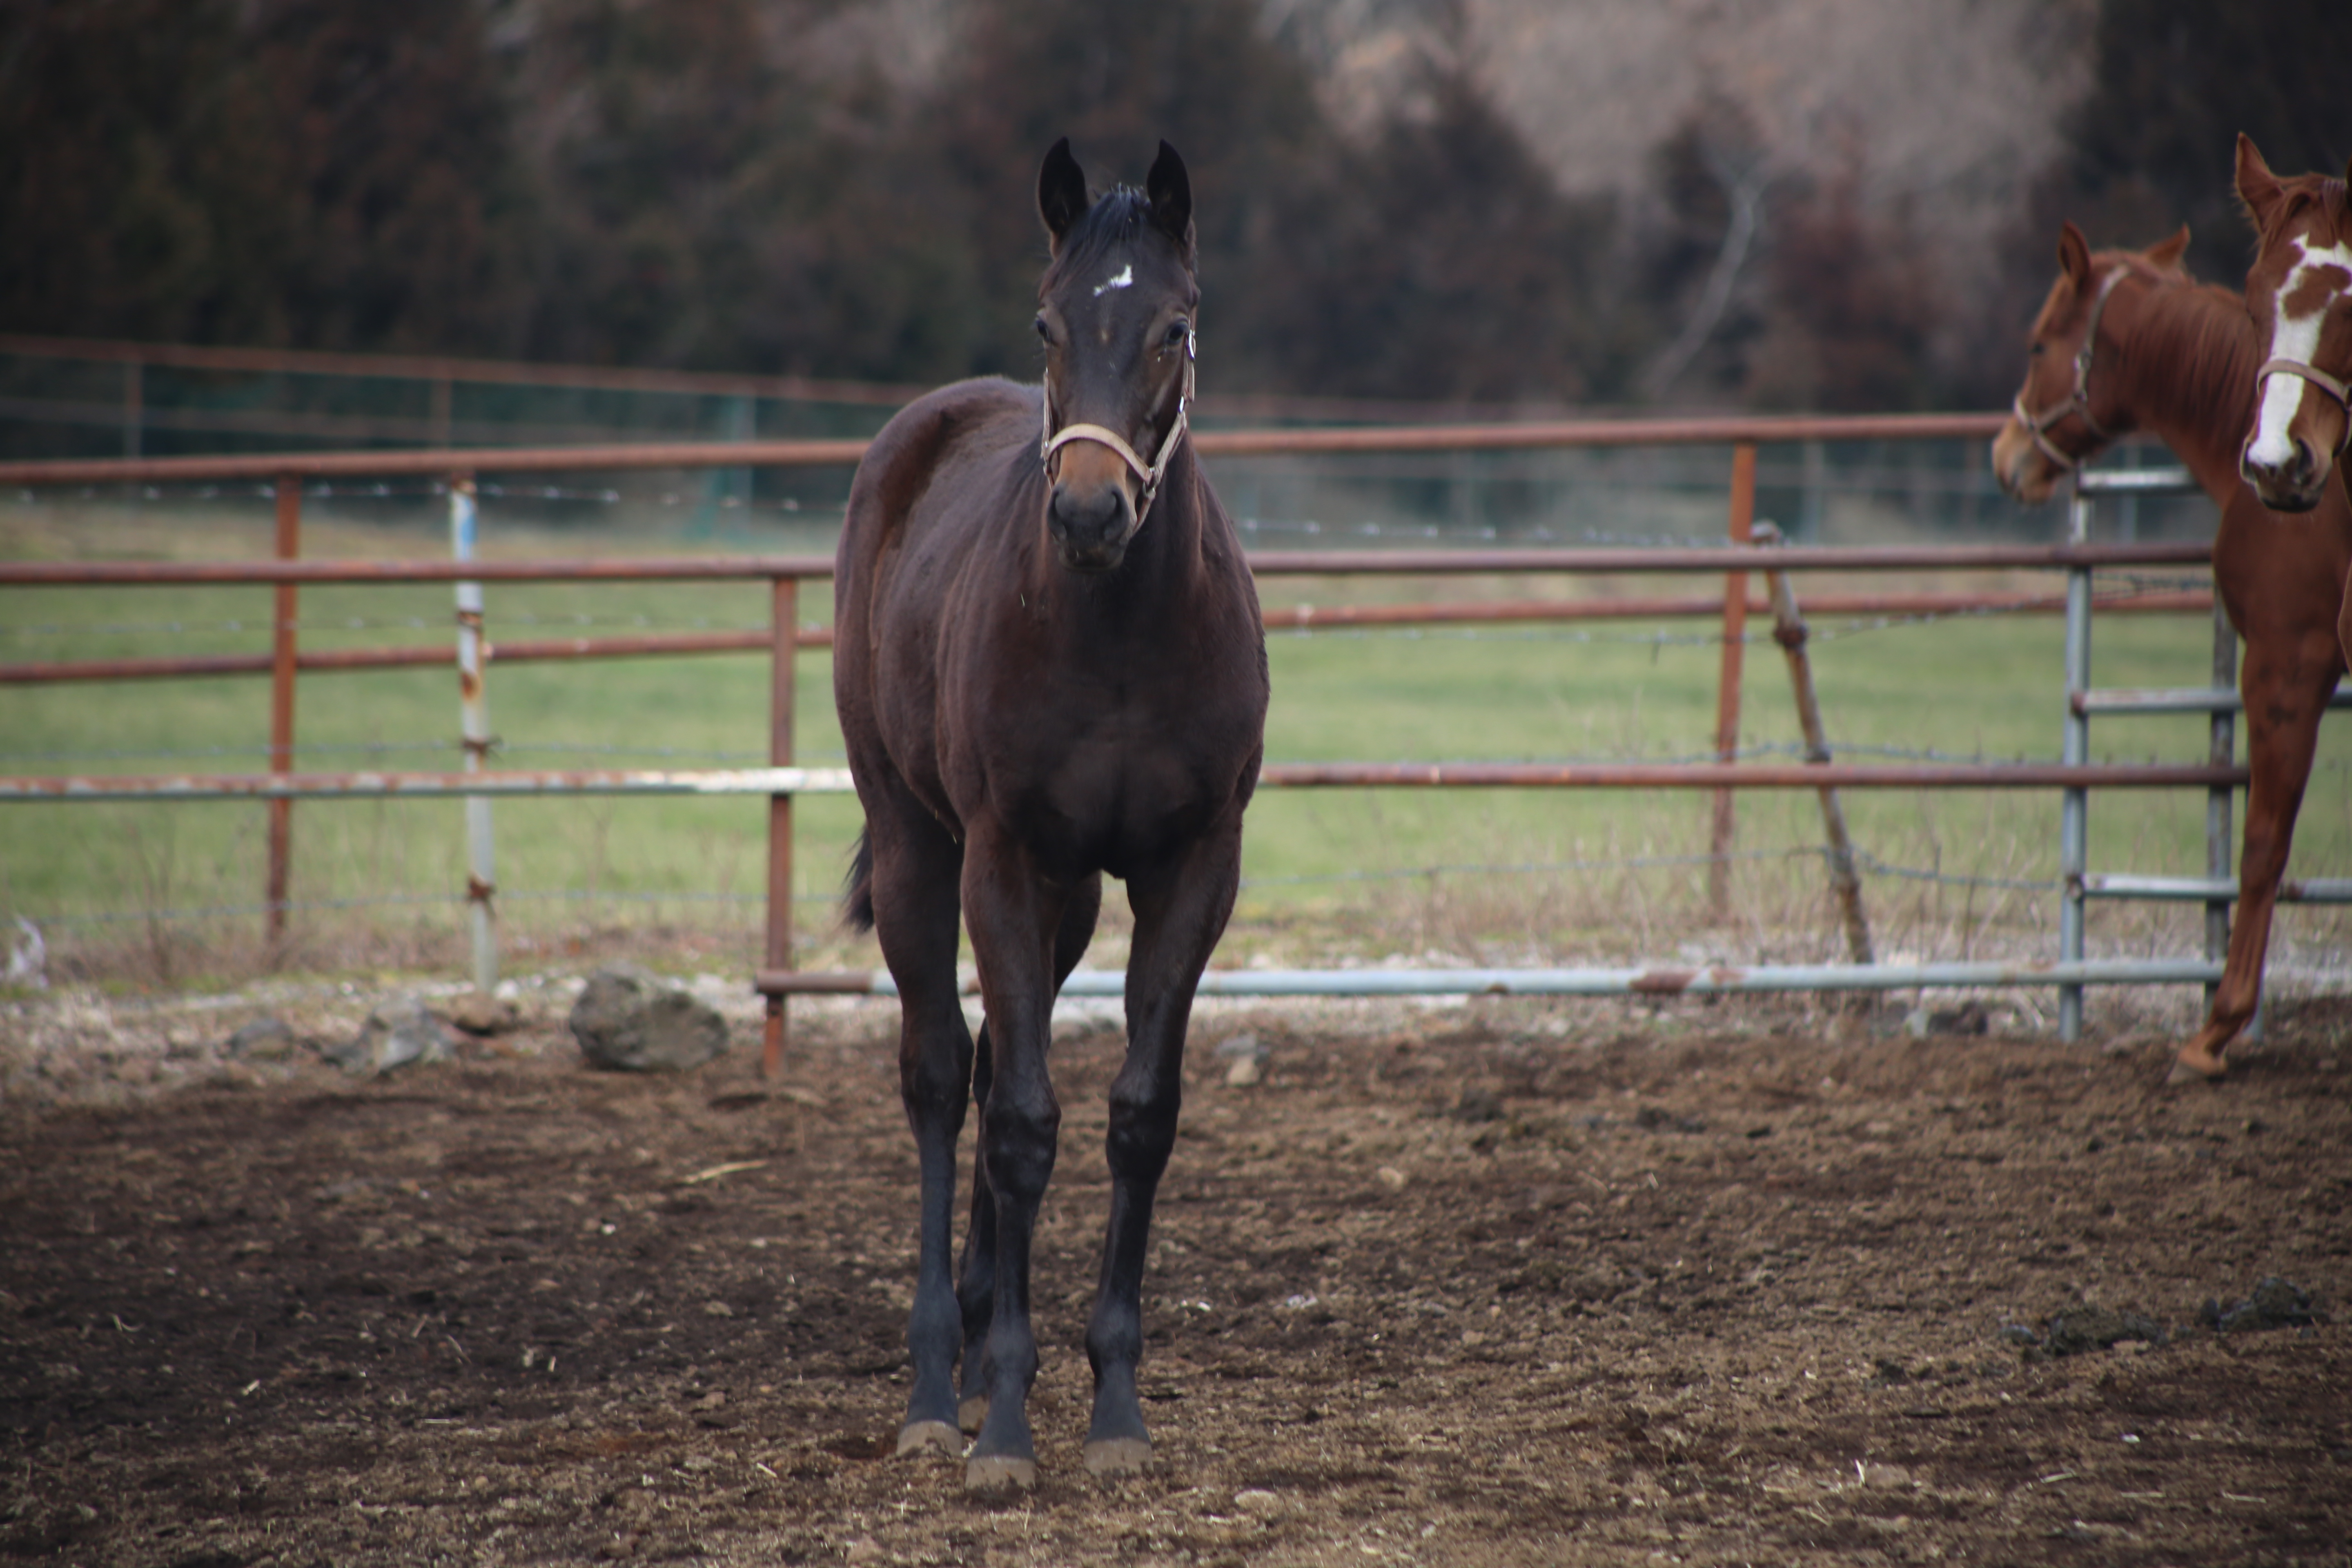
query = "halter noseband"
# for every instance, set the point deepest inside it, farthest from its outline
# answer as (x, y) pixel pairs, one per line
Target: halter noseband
(2078, 403)
(1052, 440)
(2319, 378)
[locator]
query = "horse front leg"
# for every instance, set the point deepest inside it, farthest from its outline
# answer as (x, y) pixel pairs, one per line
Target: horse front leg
(914, 871)
(1180, 912)
(976, 1291)
(2286, 689)
(1014, 916)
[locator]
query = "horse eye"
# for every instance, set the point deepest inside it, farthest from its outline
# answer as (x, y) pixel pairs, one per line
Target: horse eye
(1178, 330)
(1043, 332)
(2034, 350)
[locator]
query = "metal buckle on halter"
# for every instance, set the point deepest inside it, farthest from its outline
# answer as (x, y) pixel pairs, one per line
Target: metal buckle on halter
(2319, 378)
(1052, 440)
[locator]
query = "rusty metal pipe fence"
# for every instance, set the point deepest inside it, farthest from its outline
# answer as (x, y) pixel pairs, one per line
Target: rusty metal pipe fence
(782, 780)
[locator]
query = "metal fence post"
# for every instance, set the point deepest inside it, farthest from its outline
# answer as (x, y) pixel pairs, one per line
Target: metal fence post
(282, 667)
(2221, 749)
(783, 620)
(1726, 696)
(474, 721)
(2074, 838)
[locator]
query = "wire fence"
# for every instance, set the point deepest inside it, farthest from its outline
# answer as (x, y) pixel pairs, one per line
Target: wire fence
(1827, 490)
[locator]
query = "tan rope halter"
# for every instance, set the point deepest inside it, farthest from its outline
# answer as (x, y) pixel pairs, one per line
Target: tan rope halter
(1052, 440)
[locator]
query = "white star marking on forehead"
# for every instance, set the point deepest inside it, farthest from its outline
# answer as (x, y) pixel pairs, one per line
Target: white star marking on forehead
(2293, 338)
(1125, 280)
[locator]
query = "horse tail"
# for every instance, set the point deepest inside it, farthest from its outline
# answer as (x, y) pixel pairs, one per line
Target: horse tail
(858, 895)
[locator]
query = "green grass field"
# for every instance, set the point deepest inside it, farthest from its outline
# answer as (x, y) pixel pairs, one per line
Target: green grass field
(1592, 875)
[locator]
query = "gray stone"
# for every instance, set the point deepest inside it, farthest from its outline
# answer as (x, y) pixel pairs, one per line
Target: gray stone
(397, 1033)
(263, 1040)
(629, 1021)
(479, 1015)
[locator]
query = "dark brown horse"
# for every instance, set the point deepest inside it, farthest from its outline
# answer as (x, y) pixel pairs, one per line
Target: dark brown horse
(2127, 340)
(2300, 296)
(1049, 666)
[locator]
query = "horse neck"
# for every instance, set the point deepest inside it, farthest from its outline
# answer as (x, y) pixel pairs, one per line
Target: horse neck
(2186, 371)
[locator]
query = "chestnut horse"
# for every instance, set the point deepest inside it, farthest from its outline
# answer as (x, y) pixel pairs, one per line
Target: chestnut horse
(2128, 341)
(1049, 664)
(2300, 296)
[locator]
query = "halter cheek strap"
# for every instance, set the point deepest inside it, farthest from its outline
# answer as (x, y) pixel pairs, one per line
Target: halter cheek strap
(1052, 440)
(2319, 378)
(2078, 403)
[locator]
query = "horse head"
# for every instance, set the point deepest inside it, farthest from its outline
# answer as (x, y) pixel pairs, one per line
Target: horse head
(1116, 311)
(2063, 414)
(2300, 296)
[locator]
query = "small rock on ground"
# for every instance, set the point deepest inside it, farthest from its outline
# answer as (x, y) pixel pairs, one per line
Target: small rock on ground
(628, 1020)
(397, 1033)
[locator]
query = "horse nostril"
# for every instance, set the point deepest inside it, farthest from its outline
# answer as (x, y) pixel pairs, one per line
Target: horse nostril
(1090, 517)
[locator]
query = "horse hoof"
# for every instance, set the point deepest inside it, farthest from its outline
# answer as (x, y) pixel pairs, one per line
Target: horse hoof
(1117, 1456)
(2196, 1067)
(929, 1437)
(999, 1473)
(971, 1412)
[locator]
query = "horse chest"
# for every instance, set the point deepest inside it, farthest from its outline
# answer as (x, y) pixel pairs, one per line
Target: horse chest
(1112, 770)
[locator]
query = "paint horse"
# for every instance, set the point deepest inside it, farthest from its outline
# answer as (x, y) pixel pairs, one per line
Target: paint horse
(1049, 666)
(2299, 294)
(2128, 341)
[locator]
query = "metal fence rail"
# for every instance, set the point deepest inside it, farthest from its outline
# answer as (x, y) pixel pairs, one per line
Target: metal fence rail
(782, 781)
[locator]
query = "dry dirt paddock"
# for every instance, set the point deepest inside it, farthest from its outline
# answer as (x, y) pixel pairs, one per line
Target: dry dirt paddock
(1508, 1282)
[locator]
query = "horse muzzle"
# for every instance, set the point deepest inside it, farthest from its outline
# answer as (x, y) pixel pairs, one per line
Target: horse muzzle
(1090, 525)
(2294, 481)
(2022, 478)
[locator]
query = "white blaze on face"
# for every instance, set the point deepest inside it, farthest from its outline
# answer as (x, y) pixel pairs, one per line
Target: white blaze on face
(2294, 337)
(1125, 279)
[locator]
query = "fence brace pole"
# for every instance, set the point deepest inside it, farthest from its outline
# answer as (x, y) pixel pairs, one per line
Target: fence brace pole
(783, 621)
(1789, 631)
(473, 724)
(2074, 835)
(283, 664)
(1726, 697)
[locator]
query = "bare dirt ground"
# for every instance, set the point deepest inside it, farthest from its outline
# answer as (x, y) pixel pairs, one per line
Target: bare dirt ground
(1506, 1282)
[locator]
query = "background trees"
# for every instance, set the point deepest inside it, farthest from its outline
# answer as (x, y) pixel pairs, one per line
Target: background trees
(1392, 204)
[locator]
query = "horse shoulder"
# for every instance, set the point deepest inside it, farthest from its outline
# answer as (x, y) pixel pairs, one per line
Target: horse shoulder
(922, 440)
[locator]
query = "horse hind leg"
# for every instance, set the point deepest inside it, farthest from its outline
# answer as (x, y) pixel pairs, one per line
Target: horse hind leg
(976, 1287)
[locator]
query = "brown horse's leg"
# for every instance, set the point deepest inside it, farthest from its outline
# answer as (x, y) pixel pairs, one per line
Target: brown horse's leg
(1180, 911)
(1014, 916)
(914, 885)
(2286, 686)
(976, 1289)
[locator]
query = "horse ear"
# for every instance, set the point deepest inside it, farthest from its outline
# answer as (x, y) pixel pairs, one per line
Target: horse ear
(2075, 254)
(2165, 254)
(1170, 190)
(2257, 186)
(1061, 191)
